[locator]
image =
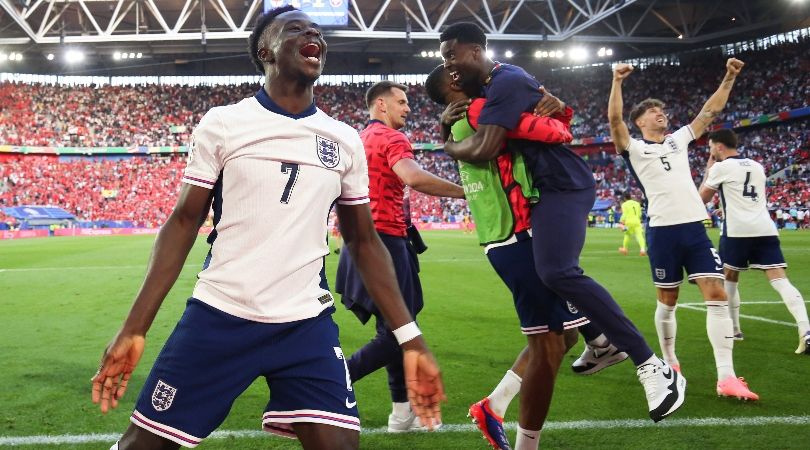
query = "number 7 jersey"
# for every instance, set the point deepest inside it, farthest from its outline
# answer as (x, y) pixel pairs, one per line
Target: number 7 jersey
(663, 173)
(276, 176)
(741, 182)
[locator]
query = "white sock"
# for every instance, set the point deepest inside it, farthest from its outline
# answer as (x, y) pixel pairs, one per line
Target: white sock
(600, 341)
(667, 328)
(504, 392)
(114, 446)
(733, 295)
(527, 439)
(794, 302)
(721, 336)
(401, 409)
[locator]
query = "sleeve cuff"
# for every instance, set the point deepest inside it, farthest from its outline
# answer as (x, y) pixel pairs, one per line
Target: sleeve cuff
(199, 181)
(353, 200)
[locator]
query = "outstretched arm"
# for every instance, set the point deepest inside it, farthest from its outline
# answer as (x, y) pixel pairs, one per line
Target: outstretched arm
(618, 129)
(422, 375)
(425, 182)
(173, 243)
(715, 104)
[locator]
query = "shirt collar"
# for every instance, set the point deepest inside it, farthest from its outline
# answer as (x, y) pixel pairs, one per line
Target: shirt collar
(264, 99)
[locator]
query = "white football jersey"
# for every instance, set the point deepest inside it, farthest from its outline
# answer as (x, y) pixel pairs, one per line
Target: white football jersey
(741, 182)
(280, 175)
(663, 172)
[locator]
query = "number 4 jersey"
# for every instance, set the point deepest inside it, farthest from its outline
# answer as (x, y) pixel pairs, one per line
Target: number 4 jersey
(276, 176)
(741, 182)
(662, 171)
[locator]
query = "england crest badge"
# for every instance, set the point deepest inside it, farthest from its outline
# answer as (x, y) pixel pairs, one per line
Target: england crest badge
(328, 151)
(660, 274)
(163, 396)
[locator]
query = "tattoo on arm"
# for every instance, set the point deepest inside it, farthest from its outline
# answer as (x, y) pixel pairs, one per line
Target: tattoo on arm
(708, 116)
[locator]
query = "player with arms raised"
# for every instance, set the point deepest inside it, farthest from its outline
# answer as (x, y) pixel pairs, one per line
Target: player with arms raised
(749, 237)
(676, 236)
(274, 164)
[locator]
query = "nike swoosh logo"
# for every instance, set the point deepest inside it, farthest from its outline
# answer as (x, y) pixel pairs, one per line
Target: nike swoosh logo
(718, 268)
(668, 373)
(349, 404)
(527, 436)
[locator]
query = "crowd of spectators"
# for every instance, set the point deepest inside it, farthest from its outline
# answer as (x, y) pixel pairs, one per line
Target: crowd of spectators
(775, 80)
(138, 189)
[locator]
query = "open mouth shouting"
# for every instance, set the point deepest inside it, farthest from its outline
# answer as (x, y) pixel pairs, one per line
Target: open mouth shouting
(311, 52)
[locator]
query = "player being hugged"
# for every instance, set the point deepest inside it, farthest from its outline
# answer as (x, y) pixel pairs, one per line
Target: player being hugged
(676, 236)
(749, 237)
(273, 164)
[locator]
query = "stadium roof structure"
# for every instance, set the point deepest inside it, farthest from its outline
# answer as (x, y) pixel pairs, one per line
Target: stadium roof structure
(176, 30)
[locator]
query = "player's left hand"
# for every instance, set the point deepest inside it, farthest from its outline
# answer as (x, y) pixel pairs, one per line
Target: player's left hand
(117, 364)
(548, 104)
(734, 66)
(424, 382)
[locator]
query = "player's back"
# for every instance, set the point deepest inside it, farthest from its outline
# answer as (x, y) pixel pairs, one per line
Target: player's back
(741, 183)
(631, 212)
(662, 170)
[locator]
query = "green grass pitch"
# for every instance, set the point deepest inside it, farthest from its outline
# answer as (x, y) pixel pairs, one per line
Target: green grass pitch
(62, 299)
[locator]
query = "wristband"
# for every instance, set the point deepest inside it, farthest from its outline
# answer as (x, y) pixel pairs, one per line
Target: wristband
(406, 332)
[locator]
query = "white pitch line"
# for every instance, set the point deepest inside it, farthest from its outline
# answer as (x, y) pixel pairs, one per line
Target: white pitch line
(451, 428)
(746, 316)
(756, 302)
(110, 267)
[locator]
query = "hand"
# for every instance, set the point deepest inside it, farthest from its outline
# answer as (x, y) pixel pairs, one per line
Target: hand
(734, 66)
(424, 382)
(548, 105)
(622, 71)
(117, 364)
(455, 111)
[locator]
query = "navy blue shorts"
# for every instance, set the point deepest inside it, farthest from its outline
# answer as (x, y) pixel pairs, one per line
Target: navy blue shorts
(349, 284)
(674, 248)
(539, 309)
(211, 357)
(762, 252)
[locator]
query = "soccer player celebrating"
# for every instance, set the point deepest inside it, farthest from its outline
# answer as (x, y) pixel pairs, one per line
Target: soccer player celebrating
(631, 221)
(499, 195)
(274, 164)
(676, 235)
(559, 219)
(391, 167)
(749, 237)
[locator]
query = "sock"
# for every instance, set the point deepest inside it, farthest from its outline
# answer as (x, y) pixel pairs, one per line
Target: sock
(114, 446)
(642, 242)
(599, 341)
(652, 360)
(527, 439)
(794, 302)
(401, 409)
(504, 392)
(733, 304)
(721, 336)
(667, 328)
(626, 241)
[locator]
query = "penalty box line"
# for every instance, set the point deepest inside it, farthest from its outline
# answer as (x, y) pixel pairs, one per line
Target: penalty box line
(450, 428)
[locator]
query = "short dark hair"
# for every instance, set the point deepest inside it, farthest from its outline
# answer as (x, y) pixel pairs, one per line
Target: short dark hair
(261, 24)
(643, 106)
(435, 85)
(627, 196)
(381, 88)
(725, 136)
(464, 33)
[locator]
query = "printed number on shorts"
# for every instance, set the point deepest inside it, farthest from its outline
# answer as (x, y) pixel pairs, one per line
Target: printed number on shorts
(292, 169)
(717, 259)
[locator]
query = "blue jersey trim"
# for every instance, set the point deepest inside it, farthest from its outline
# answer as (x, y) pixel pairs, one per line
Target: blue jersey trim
(626, 155)
(264, 99)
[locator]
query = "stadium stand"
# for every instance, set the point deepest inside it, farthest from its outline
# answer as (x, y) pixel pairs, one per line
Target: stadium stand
(141, 189)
